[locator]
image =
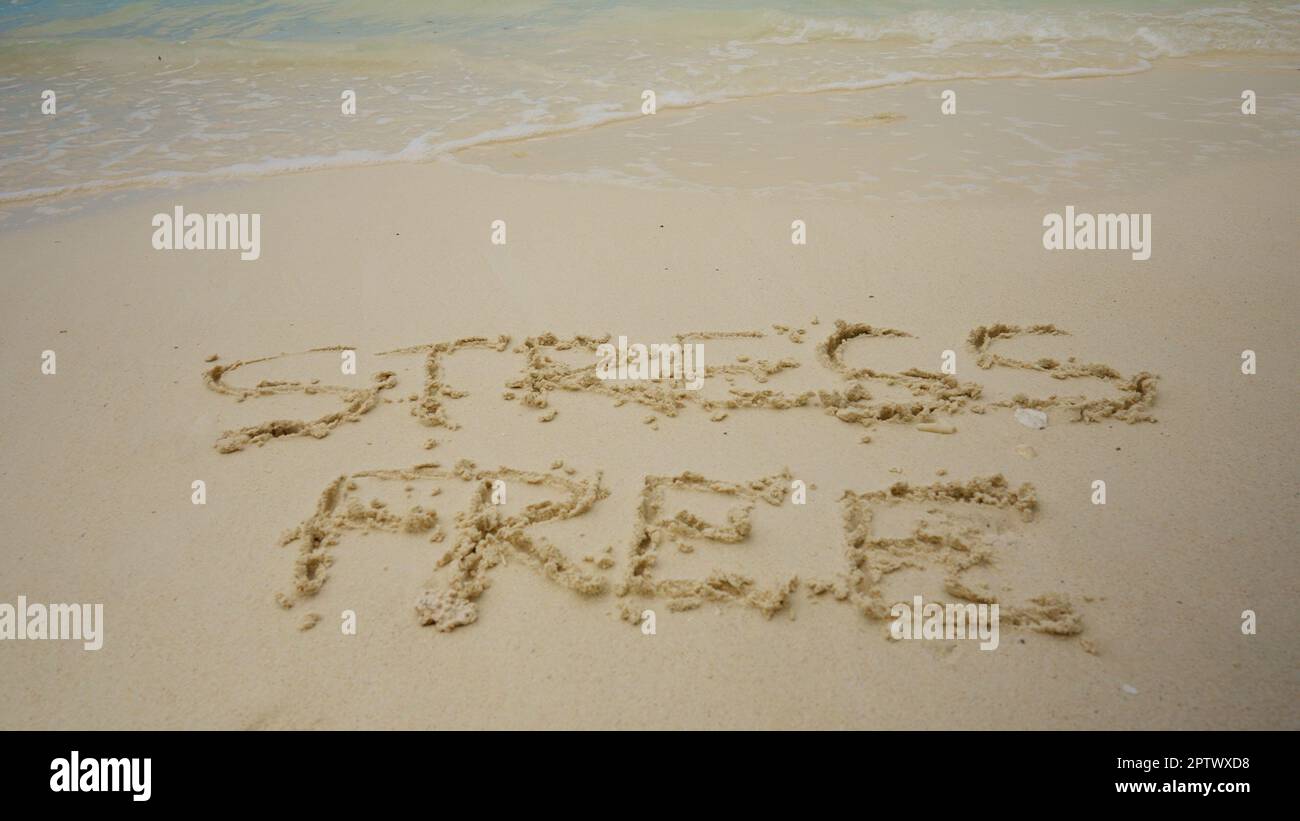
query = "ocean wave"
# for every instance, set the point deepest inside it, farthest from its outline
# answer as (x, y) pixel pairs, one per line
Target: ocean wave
(480, 82)
(1255, 29)
(424, 148)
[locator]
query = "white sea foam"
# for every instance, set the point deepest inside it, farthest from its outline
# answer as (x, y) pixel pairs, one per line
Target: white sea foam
(253, 90)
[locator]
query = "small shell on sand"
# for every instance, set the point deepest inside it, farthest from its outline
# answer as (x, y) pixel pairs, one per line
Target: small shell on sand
(1031, 418)
(934, 427)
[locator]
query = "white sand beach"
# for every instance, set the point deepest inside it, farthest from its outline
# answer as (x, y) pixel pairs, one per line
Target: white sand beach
(827, 468)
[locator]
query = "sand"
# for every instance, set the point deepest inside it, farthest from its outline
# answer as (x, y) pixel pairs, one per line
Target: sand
(824, 367)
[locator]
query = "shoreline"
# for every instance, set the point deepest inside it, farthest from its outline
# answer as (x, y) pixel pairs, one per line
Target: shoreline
(485, 146)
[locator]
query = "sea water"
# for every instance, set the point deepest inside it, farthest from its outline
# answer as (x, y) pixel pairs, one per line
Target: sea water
(147, 93)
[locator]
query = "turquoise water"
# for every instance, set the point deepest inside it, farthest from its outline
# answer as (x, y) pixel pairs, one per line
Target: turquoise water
(154, 92)
(326, 19)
